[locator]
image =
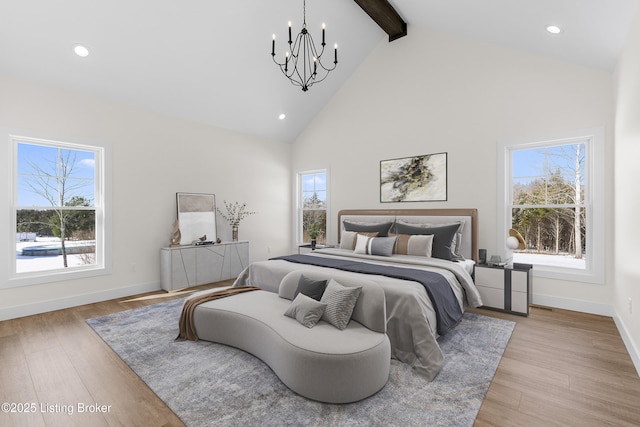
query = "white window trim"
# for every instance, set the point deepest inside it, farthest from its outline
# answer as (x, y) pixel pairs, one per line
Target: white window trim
(595, 242)
(298, 231)
(103, 234)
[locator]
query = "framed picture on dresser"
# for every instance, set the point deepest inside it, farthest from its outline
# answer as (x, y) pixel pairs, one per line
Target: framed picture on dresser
(196, 217)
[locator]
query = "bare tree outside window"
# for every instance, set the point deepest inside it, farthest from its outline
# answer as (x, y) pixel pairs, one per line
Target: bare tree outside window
(56, 188)
(314, 206)
(548, 199)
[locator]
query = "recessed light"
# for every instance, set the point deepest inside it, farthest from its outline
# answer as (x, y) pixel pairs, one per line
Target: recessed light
(282, 116)
(554, 29)
(81, 50)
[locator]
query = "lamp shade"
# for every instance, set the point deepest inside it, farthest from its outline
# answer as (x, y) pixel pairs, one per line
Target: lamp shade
(515, 240)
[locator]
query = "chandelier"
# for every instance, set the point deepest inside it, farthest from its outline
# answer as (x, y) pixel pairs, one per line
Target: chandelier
(302, 62)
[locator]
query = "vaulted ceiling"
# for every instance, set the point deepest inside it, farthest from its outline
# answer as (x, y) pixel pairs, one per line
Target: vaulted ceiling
(209, 60)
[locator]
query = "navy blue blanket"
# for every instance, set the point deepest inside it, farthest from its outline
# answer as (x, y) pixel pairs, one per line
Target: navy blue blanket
(445, 304)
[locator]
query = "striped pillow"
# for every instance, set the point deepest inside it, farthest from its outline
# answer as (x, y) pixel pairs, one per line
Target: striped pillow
(375, 245)
(348, 238)
(412, 244)
(340, 300)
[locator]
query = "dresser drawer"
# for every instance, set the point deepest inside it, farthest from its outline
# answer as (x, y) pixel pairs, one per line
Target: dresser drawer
(492, 297)
(519, 302)
(519, 280)
(489, 277)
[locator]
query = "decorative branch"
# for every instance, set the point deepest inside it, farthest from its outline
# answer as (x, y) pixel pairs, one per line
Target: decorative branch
(235, 212)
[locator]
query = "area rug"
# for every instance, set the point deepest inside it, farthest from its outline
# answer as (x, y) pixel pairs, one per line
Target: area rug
(208, 384)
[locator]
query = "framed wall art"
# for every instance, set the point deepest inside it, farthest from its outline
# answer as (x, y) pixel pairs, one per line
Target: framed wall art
(414, 179)
(196, 217)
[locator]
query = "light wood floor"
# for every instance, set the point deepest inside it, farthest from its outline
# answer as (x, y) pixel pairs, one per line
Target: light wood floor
(560, 368)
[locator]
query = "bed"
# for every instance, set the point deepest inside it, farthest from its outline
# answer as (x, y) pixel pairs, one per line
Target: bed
(422, 258)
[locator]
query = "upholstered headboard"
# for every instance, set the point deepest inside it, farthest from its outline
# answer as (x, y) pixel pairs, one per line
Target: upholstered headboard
(469, 244)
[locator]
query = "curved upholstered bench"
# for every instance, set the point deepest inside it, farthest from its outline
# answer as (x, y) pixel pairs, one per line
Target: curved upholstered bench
(321, 363)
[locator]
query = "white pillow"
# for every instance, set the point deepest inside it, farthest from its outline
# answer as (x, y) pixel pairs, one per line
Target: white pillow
(361, 244)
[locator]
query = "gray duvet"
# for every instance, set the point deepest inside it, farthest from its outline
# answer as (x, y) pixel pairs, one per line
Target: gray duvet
(411, 319)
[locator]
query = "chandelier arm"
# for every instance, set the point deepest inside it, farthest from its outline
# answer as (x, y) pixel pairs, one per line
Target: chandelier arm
(277, 63)
(305, 57)
(295, 59)
(317, 80)
(301, 68)
(318, 56)
(321, 65)
(309, 62)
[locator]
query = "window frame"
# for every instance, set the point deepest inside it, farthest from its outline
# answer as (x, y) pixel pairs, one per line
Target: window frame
(300, 204)
(594, 140)
(102, 205)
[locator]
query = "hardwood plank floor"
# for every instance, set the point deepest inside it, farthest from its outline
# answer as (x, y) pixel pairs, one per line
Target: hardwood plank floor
(561, 368)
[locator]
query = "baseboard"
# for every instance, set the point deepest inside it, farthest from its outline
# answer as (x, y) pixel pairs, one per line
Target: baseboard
(574, 305)
(628, 342)
(75, 300)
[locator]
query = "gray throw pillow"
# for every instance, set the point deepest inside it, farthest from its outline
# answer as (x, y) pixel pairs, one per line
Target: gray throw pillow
(375, 245)
(382, 246)
(311, 288)
(442, 238)
(306, 310)
(340, 300)
(382, 229)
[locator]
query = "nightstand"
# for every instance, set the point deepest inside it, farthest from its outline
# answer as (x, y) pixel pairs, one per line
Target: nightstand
(505, 289)
(306, 248)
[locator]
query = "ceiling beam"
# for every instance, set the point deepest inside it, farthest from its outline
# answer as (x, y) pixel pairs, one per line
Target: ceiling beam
(385, 16)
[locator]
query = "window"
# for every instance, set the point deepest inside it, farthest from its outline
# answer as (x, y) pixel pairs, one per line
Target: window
(553, 196)
(58, 216)
(312, 206)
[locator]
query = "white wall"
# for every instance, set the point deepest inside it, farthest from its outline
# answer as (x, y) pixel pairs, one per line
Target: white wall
(153, 157)
(432, 92)
(627, 199)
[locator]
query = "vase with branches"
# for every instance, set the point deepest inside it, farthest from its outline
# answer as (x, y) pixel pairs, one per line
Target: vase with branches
(235, 213)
